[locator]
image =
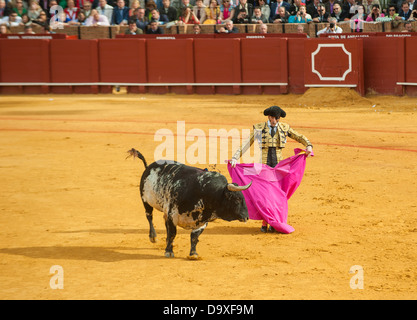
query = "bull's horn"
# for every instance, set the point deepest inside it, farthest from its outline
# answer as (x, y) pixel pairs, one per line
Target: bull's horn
(232, 187)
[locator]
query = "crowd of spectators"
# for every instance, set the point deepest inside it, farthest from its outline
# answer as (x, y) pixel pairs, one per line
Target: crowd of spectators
(147, 16)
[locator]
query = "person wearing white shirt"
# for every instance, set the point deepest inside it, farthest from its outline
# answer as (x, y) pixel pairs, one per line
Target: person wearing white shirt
(13, 20)
(97, 19)
(332, 28)
(104, 9)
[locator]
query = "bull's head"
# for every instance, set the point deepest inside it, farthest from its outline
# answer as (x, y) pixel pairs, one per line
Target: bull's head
(234, 205)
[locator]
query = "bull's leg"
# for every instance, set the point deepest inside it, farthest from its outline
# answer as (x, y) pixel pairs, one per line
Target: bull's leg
(149, 216)
(171, 233)
(194, 240)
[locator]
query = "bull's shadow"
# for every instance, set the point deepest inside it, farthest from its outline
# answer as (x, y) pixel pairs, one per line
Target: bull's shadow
(211, 229)
(101, 254)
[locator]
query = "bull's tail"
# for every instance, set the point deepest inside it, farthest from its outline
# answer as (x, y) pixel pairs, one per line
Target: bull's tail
(135, 153)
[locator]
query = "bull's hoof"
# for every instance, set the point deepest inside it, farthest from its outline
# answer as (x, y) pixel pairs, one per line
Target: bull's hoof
(194, 256)
(152, 239)
(169, 254)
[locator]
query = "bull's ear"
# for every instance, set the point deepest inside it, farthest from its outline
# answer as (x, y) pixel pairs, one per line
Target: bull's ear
(234, 187)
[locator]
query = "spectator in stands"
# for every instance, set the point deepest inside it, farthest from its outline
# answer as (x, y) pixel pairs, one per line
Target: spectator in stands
(42, 19)
(263, 28)
(80, 21)
(141, 20)
(196, 29)
(369, 5)
(87, 8)
(301, 16)
(375, 13)
(332, 28)
(227, 11)
(150, 5)
(300, 29)
(350, 9)
(282, 16)
(187, 17)
(392, 13)
(71, 11)
(50, 5)
(19, 8)
(161, 18)
(330, 5)
(265, 9)
(34, 10)
(321, 15)
(105, 9)
(412, 4)
(45, 28)
(61, 22)
(133, 28)
(4, 10)
(154, 28)
(408, 27)
(133, 6)
(312, 7)
(78, 3)
(97, 19)
(275, 7)
(200, 11)
(212, 13)
(26, 20)
(294, 5)
(338, 13)
(248, 7)
(183, 4)
(228, 28)
(258, 17)
(356, 22)
(4, 29)
(120, 14)
(242, 17)
(28, 30)
(405, 12)
(13, 20)
(168, 10)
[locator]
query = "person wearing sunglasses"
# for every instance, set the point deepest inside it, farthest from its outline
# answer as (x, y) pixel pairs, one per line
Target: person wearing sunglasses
(375, 13)
(321, 15)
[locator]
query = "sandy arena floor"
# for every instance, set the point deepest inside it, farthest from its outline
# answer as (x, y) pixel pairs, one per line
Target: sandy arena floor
(69, 198)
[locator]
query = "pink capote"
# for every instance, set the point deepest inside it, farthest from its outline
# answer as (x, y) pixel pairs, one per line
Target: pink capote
(267, 197)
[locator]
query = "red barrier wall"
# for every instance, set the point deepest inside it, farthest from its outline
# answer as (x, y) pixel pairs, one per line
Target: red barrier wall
(383, 58)
(329, 62)
(129, 66)
(410, 74)
(383, 65)
(170, 61)
(74, 62)
(264, 61)
(24, 61)
(217, 61)
(296, 66)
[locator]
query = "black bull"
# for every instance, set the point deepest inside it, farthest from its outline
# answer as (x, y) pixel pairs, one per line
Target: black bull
(189, 197)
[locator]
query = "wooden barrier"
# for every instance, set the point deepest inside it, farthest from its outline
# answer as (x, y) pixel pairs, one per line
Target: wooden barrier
(383, 58)
(334, 63)
(24, 61)
(74, 62)
(128, 67)
(172, 62)
(264, 61)
(110, 32)
(231, 64)
(410, 76)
